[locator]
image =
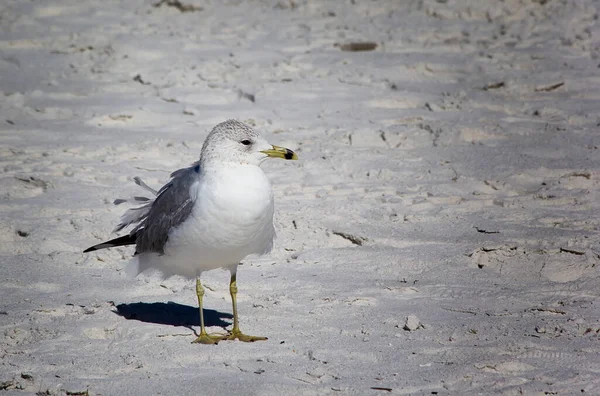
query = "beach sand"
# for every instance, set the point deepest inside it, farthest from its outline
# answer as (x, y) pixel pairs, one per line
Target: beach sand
(439, 234)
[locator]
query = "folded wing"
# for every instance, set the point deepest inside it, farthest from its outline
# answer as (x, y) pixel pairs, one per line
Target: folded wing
(154, 220)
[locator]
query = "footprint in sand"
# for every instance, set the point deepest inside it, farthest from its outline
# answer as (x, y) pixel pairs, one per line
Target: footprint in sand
(19, 187)
(561, 265)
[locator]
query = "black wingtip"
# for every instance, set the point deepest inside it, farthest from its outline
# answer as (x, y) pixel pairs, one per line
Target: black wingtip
(120, 241)
(98, 247)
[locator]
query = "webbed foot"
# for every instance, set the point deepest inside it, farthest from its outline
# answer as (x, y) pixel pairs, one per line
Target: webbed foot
(209, 339)
(238, 335)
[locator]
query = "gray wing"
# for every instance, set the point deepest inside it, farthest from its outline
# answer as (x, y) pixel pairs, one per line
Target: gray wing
(172, 205)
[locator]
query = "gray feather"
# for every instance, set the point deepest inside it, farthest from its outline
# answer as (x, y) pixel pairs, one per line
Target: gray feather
(133, 216)
(170, 208)
(141, 183)
(136, 199)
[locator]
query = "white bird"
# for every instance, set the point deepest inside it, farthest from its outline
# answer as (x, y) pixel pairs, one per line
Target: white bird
(210, 215)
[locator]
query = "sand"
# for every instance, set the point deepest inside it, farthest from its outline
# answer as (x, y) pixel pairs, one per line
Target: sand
(439, 234)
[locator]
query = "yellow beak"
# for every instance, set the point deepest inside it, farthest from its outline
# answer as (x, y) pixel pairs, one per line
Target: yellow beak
(280, 152)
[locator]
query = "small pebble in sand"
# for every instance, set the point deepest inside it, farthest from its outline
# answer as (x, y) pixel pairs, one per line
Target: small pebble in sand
(412, 323)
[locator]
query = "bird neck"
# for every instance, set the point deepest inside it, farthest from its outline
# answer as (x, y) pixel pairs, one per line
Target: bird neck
(218, 166)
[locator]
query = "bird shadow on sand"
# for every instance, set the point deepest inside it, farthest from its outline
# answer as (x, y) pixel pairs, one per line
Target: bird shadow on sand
(171, 313)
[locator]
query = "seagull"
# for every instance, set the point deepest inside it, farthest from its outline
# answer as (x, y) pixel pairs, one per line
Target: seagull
(210, 215)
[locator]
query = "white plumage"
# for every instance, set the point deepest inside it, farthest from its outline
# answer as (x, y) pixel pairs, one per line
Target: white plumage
(232, 217)
(210, 215)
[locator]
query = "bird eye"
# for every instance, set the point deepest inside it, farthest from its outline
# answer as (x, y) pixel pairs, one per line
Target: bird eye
(246, 142)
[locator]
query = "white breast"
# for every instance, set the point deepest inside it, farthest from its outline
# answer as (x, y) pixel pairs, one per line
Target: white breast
(232, 218)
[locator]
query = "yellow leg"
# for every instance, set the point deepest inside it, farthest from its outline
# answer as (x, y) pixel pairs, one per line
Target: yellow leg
(204, 337)
(236, 333)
